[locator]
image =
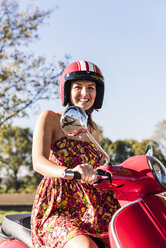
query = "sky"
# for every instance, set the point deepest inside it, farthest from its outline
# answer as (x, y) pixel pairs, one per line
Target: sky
(127, 40)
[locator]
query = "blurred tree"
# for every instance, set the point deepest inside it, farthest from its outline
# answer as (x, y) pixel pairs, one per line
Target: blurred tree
(31, 182)
(139, 148)
(160, 131)
(105, 143)
(160, 136)
(120, 150)
(16, 145)
(24, 78)
(100, 133)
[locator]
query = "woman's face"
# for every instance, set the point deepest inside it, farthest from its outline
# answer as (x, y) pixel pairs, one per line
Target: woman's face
(83, 94)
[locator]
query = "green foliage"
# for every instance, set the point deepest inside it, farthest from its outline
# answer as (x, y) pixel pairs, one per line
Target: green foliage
(24, 78)
(100, 130)
(120, 150)
(140, 148)
(30, 182)
(16, 144)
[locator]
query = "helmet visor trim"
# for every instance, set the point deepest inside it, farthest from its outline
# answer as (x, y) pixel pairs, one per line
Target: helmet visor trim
(84, 75)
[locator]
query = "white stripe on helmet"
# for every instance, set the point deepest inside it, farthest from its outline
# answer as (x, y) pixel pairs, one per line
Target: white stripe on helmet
(85, 65)
(82, 65)
(91, 67)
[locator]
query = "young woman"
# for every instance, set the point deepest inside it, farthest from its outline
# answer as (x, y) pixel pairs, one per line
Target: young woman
(71, 213)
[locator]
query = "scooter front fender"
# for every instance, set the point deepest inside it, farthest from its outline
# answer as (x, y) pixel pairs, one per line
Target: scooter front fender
(139, 224)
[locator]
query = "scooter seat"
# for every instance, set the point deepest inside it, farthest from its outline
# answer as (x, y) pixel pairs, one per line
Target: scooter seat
(18, 226)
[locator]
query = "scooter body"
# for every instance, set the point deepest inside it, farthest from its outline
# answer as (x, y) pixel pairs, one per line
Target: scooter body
(141, 223)
(141, 220)
(12, 244)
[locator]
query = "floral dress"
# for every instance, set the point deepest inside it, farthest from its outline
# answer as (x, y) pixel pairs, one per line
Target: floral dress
(66, 208)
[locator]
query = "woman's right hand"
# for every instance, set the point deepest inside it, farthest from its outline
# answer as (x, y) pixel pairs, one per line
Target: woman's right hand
(88, 174)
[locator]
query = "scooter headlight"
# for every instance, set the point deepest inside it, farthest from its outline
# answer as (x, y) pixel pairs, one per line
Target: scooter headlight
(158, 170)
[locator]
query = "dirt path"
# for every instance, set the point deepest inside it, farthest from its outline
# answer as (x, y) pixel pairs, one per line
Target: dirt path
(16, 199)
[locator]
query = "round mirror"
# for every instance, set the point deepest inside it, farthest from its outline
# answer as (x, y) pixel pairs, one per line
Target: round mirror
(74, 121)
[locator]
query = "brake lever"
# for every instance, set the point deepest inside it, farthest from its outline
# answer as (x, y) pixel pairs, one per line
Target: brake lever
(102, 175)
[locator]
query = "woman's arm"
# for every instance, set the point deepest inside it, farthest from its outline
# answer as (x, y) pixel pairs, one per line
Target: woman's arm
(44, 132)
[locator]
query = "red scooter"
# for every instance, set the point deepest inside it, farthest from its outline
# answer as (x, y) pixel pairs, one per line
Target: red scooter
(139, 184)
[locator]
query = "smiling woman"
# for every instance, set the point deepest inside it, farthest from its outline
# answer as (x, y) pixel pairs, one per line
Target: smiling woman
(66, 212)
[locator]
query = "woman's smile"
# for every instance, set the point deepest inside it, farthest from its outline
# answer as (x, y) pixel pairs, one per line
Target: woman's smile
(83, 94)
(83, 100)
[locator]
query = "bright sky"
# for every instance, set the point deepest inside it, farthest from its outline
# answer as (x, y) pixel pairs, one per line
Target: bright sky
(127, 40)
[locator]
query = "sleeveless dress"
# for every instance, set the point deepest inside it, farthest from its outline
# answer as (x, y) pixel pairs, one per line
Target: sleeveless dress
(65, 208)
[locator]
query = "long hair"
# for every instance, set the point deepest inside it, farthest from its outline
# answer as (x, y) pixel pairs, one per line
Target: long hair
(89, 114)
(90, 122)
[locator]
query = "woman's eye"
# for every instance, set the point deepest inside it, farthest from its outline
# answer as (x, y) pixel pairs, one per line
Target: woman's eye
(77, 87)
(92, 88)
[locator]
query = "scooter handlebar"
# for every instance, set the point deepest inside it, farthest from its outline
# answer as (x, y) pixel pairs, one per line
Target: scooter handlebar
(76, 175)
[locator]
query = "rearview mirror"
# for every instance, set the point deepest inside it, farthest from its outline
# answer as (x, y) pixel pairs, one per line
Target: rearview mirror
(74, 121)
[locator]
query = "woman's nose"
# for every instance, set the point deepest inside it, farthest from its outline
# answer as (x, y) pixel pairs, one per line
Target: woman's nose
(84, 91)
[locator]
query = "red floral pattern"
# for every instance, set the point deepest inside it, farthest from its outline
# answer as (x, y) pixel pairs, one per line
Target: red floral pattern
(66, 208)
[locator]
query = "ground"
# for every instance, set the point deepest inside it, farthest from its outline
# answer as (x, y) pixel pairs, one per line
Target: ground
(16, 199)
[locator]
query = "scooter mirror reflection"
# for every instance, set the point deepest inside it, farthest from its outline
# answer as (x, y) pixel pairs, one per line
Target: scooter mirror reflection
(74, 121)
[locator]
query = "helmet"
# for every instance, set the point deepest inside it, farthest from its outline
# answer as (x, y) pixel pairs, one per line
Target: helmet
(81, 70)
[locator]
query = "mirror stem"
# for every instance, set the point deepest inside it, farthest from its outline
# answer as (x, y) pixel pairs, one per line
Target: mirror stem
(99, 147)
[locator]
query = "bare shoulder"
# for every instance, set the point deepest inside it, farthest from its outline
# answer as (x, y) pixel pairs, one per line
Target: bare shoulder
(48, 114)
(49, 117)
(48, 121)
(48, 126)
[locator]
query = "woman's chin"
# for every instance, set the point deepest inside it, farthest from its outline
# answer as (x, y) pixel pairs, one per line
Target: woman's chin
(83, 107)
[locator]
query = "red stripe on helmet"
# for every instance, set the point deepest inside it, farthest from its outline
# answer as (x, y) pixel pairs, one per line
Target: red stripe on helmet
(87, 65)
(94, 68)
(97, 70)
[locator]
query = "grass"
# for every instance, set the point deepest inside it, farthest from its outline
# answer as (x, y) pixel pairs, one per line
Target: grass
(4, 212)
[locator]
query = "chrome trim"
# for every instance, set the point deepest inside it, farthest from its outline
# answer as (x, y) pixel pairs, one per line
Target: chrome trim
(113, 220)
(162, 179)
(4, 236)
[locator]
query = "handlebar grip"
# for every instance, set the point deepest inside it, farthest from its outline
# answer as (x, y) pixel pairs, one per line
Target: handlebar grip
(77, 175)
(72, 175)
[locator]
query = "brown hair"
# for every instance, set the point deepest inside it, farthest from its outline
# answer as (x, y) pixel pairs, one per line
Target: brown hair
(90, 122)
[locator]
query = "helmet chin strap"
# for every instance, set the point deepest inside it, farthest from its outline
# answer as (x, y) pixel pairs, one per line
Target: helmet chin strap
(89, 111)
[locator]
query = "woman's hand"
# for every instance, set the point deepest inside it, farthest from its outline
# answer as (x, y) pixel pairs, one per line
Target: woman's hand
(88, 174)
